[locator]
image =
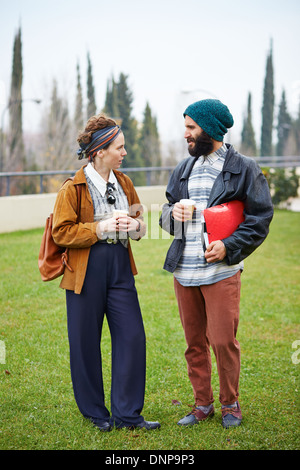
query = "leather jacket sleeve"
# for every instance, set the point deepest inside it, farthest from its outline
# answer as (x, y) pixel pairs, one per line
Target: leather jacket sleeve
(175, 191)
(258, 214)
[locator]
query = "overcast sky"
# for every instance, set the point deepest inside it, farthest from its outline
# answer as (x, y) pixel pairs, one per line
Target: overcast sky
(166, 47)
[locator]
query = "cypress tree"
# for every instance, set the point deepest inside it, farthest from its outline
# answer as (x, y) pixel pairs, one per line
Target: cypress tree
(285, 181)
(248, 143)
(143, 149)
(283, 126)
(79, 103)
(125, 100)
(129, 124)
(268, 108)
(292, 144)
(58, 134)
(16, 145)
(149, 141)
(296, 132)
(111, 108)
(91, 103)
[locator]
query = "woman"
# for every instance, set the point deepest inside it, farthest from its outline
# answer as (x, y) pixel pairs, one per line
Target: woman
(101, 281)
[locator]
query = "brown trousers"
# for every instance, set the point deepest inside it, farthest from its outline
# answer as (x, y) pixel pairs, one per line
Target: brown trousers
(210, 315)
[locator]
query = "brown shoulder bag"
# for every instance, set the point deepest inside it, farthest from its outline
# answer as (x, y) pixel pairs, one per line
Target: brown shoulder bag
(53, 259)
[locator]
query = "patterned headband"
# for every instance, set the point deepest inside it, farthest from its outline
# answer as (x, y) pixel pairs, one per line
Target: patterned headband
(99, 140)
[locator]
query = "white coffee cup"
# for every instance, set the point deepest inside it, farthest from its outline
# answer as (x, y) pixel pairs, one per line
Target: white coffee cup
(119, 213)
(190, 204)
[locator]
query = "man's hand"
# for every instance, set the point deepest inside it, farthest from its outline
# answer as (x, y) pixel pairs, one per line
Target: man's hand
(215, 251)
(180, 212)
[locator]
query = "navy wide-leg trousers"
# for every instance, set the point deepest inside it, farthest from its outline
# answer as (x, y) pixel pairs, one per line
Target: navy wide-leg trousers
(108, 289)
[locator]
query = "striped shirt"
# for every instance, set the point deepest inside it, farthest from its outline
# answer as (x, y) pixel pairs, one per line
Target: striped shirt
(193, 269)
(102, 209)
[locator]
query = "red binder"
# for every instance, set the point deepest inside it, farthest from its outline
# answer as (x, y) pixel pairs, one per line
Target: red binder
(222, 220)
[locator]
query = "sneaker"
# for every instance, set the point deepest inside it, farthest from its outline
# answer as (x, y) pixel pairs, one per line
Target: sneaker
(195, 416)
(231, 415)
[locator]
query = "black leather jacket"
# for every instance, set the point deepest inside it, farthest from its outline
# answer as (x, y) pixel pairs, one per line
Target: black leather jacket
(241, 179)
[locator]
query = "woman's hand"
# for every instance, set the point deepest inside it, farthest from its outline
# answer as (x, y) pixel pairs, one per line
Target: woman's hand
(127, 224)
(107, 225)
(122, 223)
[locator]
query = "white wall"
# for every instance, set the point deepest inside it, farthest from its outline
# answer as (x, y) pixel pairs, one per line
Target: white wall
(30, 211)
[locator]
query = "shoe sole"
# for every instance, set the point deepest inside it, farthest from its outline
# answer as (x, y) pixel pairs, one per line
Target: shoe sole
(134, 428)
(144, 427)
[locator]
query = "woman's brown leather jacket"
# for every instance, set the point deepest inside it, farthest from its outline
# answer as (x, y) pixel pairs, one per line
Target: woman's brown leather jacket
(79, 237)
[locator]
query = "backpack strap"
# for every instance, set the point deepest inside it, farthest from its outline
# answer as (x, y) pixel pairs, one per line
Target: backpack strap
(65, 256)
(78, 189)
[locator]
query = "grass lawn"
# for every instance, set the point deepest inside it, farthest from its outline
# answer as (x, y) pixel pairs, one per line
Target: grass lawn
(37, 407)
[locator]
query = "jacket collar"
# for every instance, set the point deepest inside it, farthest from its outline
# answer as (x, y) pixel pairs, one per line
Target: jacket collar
(79, 177)
(98, 181)
(232, 160)
(232, 163)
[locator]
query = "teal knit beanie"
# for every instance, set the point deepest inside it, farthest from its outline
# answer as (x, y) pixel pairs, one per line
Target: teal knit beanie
(212, 116)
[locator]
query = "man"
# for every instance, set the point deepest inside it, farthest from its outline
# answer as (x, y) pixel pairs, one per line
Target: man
(207, 281)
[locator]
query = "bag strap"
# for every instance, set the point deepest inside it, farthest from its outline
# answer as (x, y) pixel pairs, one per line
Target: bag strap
(78, 189)
(64, 255)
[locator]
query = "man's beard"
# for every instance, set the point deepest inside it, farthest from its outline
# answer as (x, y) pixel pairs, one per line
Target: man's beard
(203, 145)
